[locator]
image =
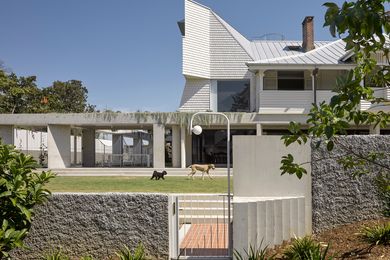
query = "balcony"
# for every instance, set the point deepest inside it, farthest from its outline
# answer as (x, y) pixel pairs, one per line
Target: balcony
(285, 101)
(300, 101)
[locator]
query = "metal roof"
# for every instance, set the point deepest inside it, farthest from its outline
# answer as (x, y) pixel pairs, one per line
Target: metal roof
(325, 53)
(278, 52)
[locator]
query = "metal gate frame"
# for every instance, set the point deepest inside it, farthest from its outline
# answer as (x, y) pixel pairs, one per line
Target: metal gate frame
(206, 225)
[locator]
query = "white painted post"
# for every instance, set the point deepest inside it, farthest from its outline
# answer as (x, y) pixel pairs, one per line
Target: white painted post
(58, 146)
(259, 87)
(375, 130)
(259, 129)
(252, 91)
(183, 147)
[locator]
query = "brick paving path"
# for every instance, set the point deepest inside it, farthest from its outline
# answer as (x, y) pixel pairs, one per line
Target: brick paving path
(205, 240)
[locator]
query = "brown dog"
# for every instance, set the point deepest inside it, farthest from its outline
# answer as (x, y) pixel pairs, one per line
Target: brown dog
(204, 168)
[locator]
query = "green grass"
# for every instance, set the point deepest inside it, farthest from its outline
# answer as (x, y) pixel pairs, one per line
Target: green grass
(137, 184)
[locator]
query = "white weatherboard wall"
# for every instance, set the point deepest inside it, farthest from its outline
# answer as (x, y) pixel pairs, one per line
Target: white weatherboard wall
(228, 58)
(268, 207)
(196, 42)
(196, 95)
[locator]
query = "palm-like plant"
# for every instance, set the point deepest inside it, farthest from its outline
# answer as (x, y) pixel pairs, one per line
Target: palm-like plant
(126, 254)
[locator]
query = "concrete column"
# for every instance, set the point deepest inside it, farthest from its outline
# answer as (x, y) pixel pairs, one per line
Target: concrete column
(259, 129)
(58, 146)
(375, 130)
(75, 149)
(7, 134)
(176, 142)
(158, 146)
(117, 149)
(183, 147)
(137, 143)
(88, 147)
(259, 87)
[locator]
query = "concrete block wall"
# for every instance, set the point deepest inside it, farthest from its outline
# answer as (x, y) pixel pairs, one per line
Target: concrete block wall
(339, 198)
(99, 225)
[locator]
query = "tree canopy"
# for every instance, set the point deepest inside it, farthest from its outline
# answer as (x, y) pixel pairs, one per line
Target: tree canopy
(22, 95)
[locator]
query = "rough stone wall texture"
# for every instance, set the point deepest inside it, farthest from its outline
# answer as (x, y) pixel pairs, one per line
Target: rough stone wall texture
(99, 225)
(338, 198)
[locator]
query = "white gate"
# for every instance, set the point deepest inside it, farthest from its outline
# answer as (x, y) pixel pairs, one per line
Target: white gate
(202, 227)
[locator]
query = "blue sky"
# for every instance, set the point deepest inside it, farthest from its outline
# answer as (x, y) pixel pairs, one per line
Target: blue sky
(127, 52)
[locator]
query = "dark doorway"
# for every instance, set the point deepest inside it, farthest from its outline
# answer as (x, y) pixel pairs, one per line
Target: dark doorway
(210, 146)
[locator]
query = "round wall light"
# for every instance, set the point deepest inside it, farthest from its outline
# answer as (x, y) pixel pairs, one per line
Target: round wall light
(197, 130)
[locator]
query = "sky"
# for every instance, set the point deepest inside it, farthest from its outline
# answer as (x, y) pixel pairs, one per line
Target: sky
(128, 52)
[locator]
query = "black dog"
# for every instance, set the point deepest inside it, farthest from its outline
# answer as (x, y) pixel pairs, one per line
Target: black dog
(158, 175)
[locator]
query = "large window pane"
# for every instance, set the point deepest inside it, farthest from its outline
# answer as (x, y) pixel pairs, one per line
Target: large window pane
(291, 80)
(233, 96)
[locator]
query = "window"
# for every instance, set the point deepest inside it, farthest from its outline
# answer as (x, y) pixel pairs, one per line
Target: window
(291, 80)
(233, 96)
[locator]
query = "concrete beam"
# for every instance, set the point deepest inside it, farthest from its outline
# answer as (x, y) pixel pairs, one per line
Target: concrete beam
(7, 134)
(58, 146)
(158, 146)
(176, 142)
(88, 147)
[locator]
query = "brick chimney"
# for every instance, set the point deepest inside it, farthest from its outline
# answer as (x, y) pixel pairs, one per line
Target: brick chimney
(308, 34)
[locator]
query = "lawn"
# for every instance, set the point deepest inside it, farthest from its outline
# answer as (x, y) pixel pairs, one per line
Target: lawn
(137, 184)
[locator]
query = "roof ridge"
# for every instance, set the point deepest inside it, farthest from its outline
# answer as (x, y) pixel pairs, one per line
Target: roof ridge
(302, 54)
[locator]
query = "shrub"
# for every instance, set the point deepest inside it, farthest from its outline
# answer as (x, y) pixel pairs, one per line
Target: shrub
(377, 235)
(127, 254)
(20, 190)
(306, 249)
(383, 184)
(254, 254)
(55, 255)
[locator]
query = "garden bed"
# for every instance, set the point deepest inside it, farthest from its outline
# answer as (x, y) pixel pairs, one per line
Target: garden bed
(346, 243)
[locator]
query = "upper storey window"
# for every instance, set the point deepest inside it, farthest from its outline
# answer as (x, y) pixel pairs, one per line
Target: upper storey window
(233, 95)
(291, 80)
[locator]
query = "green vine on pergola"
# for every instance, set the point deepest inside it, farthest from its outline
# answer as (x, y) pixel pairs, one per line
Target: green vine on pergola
(177, 118)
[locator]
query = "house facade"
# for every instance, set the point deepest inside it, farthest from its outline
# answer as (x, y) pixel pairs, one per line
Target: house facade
(279, 80)
(263, 84)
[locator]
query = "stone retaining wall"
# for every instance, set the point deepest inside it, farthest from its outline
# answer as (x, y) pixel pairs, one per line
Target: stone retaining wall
(338, 198)
(99, 225)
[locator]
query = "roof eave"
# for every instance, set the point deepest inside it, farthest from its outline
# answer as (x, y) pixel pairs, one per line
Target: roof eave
(267, 66)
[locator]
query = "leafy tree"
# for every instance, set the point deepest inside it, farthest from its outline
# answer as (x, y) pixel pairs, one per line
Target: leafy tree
(21, 95)
(67, 97)
(20, 190)
(364, 26)
(18, 94)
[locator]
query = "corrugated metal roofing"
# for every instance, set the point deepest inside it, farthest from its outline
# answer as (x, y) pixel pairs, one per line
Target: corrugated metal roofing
(263, 50)
(328, 53)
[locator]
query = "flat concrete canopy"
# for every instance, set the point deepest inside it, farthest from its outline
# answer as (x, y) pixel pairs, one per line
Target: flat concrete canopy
(140, 119)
